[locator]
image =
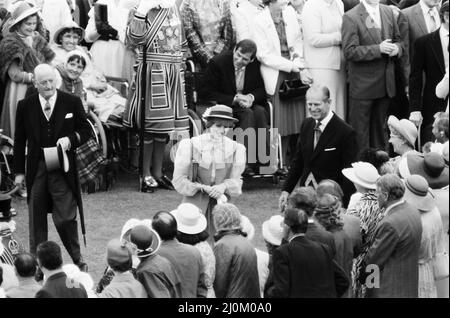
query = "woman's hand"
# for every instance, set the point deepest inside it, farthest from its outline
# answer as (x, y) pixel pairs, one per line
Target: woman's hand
(306, 76)
(217, 191)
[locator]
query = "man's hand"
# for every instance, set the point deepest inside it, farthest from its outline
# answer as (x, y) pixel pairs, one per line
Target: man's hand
(19, 179)
(282, 201)
(416, 118)
(64, 142)
(394, 51)
(386, 47)
(246, 101)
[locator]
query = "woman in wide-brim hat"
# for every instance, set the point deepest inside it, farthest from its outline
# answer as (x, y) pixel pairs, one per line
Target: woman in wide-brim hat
(216, 161)
(66, 39)
(20, 52)
(433, 258)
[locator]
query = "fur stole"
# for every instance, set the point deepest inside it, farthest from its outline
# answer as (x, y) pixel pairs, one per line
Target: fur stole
(14, 49)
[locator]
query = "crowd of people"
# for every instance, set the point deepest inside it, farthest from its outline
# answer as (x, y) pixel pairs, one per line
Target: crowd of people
(364, 203)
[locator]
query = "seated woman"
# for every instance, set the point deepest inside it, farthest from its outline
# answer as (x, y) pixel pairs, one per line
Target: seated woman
(105, 99)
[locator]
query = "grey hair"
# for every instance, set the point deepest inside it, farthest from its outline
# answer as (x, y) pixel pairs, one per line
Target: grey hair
(392, 185)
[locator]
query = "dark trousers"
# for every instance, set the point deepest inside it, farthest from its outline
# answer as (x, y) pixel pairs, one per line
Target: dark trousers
(254, 117)
(51, 193)
(369, 119)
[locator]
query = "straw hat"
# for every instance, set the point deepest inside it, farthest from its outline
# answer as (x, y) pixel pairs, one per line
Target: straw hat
(190, 219)
(68, 25)
(403, 128)
(272, 230)
(21, 12)
(219, 111)
(363, 174)
(417, 193)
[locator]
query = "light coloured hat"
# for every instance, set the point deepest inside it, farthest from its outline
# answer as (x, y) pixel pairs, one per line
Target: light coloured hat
(272, 230)
(68, 25)
(21, 12)
(127, 227)
(247, 227)
(219, 111)
(417, 193)
(190, 219)
(363, 174)
(403, 127)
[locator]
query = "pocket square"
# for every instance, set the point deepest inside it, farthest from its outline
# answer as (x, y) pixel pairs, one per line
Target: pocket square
(69, 115)
(330, 149)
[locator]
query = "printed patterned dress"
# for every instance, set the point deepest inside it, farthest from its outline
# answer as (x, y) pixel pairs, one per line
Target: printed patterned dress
(165, 109)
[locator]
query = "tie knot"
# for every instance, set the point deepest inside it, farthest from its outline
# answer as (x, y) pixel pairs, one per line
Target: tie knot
(47, 105)
(317, 127)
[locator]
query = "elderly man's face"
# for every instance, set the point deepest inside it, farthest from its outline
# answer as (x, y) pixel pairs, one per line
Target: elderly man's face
(318, 104)
(45, 82)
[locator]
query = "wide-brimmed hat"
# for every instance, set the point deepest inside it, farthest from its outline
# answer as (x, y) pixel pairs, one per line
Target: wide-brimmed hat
(431, 166)
(247, 227)
(68, 25)
(363, 174)
(146, 240)
(190, 219)
(56, 158)
(117, 253)
(403, 128)
(272, 230)
(21, 12)
(417, 193)
(219, 111)
(5, 207)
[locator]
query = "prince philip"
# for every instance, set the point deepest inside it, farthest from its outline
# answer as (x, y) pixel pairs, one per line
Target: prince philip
(45, 120)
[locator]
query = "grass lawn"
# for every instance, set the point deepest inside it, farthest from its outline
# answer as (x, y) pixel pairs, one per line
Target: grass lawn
(106, 212)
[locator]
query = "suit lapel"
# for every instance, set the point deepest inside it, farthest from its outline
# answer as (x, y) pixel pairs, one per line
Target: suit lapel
(436, 47)
(420, 19)
(58, 114)
(327, 134)
(385, 24)
(365, 17)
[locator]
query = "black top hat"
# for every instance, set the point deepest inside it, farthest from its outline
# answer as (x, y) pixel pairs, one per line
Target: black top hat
(5, 208)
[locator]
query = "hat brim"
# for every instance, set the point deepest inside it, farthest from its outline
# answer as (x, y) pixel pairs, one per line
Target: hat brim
(56, 158)
(268, 236)
(60, 30)
(394, 122)
(424, 204)
(416, 165)
(63, 159)
(24, 15)
(235, 120)
(349, 173)
(187, 229)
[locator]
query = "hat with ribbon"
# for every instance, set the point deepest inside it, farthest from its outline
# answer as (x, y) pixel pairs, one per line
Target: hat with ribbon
(417, 193)
(56, 158)
(21, 12)
(146, 240)
(403, 128)
(190, 219)
(272, 230)
(219, 111)
(431, 166)
(363, 174)
(69, 25)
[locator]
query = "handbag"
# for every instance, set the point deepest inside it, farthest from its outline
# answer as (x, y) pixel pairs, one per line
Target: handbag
(90, 160)
(292, 88)
(440, 266)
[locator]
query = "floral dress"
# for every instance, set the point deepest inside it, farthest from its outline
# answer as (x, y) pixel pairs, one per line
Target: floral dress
(370, 215)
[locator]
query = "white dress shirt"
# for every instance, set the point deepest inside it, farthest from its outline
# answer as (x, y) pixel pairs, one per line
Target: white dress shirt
(374, 13)
(51, 100)
(324, 122)
(426, 14)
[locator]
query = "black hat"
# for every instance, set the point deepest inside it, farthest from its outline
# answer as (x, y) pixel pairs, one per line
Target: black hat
(5, 208)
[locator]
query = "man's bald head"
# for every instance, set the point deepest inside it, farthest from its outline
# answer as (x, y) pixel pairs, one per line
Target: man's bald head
(45, 80)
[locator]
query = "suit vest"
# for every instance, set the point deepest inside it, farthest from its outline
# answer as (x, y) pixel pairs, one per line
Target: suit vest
(47, 130)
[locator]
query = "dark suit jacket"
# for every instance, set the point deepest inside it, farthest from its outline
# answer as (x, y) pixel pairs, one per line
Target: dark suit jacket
(371, 74)
(429, 61)
(417, 26)
(395, 250)
(59, 286)
(28, 133)
(335, 151)
(306, 269)
(220, 80)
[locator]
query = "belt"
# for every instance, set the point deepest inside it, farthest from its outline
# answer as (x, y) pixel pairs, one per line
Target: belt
(163, 58)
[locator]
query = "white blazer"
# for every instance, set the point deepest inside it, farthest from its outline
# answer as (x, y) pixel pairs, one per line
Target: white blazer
(322, 34)
(268, 43)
